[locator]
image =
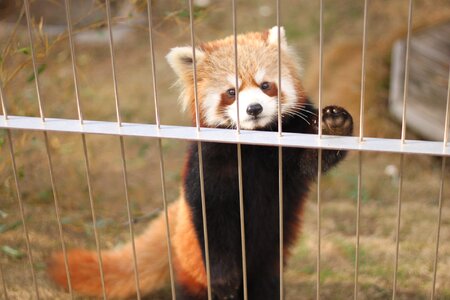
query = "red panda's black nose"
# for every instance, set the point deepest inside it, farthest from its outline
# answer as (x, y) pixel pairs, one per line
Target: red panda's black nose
(254, 109)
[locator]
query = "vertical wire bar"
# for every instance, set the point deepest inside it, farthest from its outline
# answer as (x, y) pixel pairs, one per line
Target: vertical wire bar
(94, 218)
(47, 148)
(319, 156)
(320, 67)
(242, 219)
(280, 129)
(41, 112)
(406, 81)
(205, 228)
(399, 211)
(441, 192)
(72, 56)
(55, 195)
(58, 216)
(22, 214)
(281, 218)
(122, 148)
(280, 157)
(85, 153)
(403, 137)
(152, 60)
(33, 58)
(113, 61)
(19, 197)
(361, 138)
(236, 68)
(319, 204)
(161, 157)
(438, 231)
(5, 116)
(239, 156)
(363, 74)
(200, 152)
(166, 216)
(5, 290)
(129, 215)
(3, 103)
(358, 212)
(447, 113)
(194, 59)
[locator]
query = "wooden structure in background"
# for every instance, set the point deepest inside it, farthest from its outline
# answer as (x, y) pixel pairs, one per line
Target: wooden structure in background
(429, 62)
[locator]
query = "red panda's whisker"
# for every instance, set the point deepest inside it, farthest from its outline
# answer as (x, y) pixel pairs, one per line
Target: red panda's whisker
(300, 107)
(298, 114)
(308, 111)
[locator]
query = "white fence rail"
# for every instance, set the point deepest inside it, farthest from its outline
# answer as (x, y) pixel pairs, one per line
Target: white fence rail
(264, 138)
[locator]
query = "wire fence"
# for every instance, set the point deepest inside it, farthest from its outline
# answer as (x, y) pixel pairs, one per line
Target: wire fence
(199, 134)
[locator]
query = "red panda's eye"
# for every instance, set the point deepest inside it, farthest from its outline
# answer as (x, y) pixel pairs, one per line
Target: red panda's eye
(265, 85)
(231, 92)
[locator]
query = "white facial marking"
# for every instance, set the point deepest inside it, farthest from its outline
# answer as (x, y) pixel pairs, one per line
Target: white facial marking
(259, 76)
(232, 80)
(252, 96)
(209, 105)
(289, 92)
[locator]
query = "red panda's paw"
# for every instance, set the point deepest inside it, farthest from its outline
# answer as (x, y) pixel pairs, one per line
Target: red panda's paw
(336, 121)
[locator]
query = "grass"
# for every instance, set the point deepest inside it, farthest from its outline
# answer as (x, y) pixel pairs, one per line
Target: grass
(342, 63)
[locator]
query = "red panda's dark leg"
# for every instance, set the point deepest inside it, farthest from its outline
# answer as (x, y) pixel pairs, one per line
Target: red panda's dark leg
(264, 287)
(335, 121)
(184, 293)
(225, 252)
(223, 223)
(308, 161)
(226, 283)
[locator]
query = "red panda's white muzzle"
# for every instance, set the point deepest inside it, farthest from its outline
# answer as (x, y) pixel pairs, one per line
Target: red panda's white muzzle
(256, 109)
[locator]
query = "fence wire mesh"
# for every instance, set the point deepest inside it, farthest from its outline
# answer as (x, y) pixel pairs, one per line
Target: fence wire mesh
(199, 134)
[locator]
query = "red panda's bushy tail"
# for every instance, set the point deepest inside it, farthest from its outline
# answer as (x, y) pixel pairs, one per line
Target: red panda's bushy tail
(152, 261)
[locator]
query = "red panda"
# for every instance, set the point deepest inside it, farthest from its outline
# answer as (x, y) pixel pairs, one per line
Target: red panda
(258, 104)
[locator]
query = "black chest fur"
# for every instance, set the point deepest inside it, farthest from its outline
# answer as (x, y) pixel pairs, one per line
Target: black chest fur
(260, 172)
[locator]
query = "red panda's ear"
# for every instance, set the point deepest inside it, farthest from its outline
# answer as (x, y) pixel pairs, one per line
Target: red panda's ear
(181, 60)
(272, 37)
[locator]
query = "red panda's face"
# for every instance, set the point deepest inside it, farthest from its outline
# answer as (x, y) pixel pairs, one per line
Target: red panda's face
(257, 88)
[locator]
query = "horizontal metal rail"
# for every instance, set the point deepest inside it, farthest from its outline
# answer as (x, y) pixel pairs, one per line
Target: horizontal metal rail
(263, 138)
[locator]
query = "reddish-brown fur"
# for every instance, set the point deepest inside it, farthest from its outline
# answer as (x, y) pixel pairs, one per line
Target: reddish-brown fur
(272, 91)
(190, 270)
(151, 247)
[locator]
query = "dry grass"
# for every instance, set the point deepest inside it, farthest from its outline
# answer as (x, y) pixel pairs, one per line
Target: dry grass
(343, 20)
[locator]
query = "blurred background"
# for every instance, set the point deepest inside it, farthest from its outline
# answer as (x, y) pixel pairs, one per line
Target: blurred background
(343, 25)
